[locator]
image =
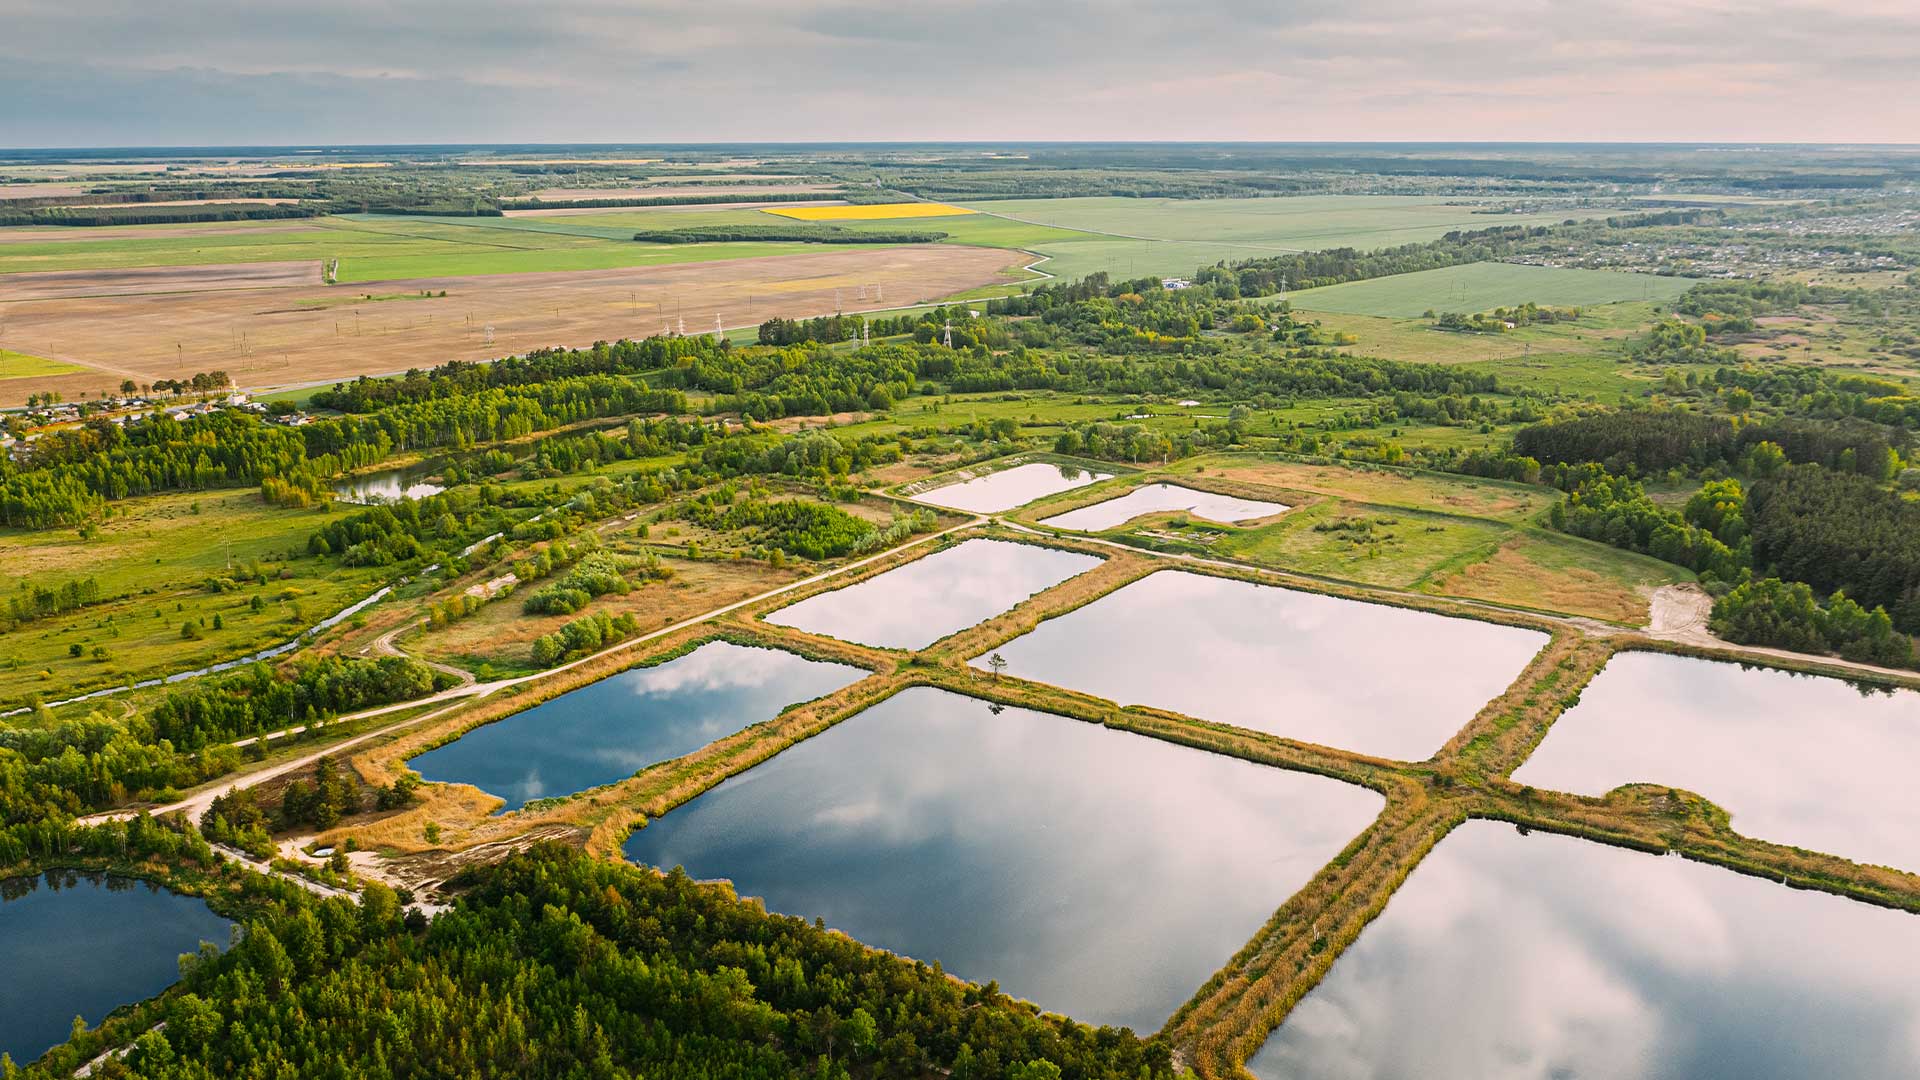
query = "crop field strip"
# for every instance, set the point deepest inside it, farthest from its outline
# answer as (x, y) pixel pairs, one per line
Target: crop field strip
(1130, 238)
(1483, 286)
(871, 212)
(1230, 1017)
(297, 336)
(436, 252)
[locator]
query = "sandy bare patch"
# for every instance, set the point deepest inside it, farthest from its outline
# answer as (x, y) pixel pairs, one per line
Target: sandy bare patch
(124, 281)
(285, 338)
(1680, 611)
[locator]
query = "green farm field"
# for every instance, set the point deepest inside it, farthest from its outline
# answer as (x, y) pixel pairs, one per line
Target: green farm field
(1145, 237)
(157, 556)
(374, 248)
(1483, 286)
(19, 365)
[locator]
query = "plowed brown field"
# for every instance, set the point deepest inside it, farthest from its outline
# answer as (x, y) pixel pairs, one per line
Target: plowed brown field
(319, 334)
(61, 284)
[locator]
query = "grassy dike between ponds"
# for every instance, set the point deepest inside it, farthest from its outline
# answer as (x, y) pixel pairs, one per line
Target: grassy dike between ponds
(1231, 1016)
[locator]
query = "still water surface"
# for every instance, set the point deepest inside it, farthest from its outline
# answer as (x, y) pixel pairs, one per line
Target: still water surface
(1365, 677)
(1096, 872)
(614, 728)
(1008, 488)
(78, 944)
(1796, 759)
(927, 599)
(1510, 957)
(388, 485)
(1159, 498)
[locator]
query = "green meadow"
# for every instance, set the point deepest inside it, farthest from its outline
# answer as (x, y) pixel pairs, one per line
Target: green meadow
(19, 365)
(1484, 286)
(1163, 237)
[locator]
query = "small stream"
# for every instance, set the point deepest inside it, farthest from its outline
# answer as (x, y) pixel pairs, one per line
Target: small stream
(281, 649)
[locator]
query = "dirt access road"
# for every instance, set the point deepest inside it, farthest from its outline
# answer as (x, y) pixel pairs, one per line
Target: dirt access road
(197, 803)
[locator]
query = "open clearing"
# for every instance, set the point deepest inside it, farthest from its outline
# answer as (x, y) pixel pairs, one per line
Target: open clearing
(1483, 286)
(59, 284)
(295, 336)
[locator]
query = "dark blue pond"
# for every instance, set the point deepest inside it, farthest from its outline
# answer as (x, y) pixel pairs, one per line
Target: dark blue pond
(77, 944)
(614, 728)
(1095, 872)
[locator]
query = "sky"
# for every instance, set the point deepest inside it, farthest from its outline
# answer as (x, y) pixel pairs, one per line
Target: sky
(202, 72)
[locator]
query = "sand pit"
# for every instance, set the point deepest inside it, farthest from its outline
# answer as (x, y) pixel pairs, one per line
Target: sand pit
(60, 284)
(319, 334)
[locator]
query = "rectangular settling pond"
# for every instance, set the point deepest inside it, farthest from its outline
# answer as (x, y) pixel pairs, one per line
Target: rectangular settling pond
(1377, 680)
(1008, 488)
(77, 944)
(1158, 499)
(1796, 759)
(927, 599)
(1510, 956)
(614, 728)
(1095, 872)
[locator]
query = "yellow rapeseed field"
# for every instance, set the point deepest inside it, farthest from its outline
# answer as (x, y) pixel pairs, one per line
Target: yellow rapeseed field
(875, 212)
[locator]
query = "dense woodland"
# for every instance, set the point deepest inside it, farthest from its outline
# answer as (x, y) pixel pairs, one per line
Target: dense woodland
(55, 769)
(555, 964)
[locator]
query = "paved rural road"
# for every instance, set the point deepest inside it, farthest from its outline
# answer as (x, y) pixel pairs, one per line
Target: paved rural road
(196, 804)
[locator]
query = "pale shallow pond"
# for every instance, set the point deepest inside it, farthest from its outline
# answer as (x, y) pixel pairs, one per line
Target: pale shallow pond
(1095, 872)
(1796, 759)
(1364, 677)
(1160, 498)
(80, 944)
(927, 599)
(614, 728)
(1008, 488)
(1510, 957)
(388, 485)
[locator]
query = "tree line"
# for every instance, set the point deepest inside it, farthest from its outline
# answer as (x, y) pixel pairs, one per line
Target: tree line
(554, 963)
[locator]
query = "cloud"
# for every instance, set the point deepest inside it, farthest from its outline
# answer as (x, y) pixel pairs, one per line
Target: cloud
(227, 71)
